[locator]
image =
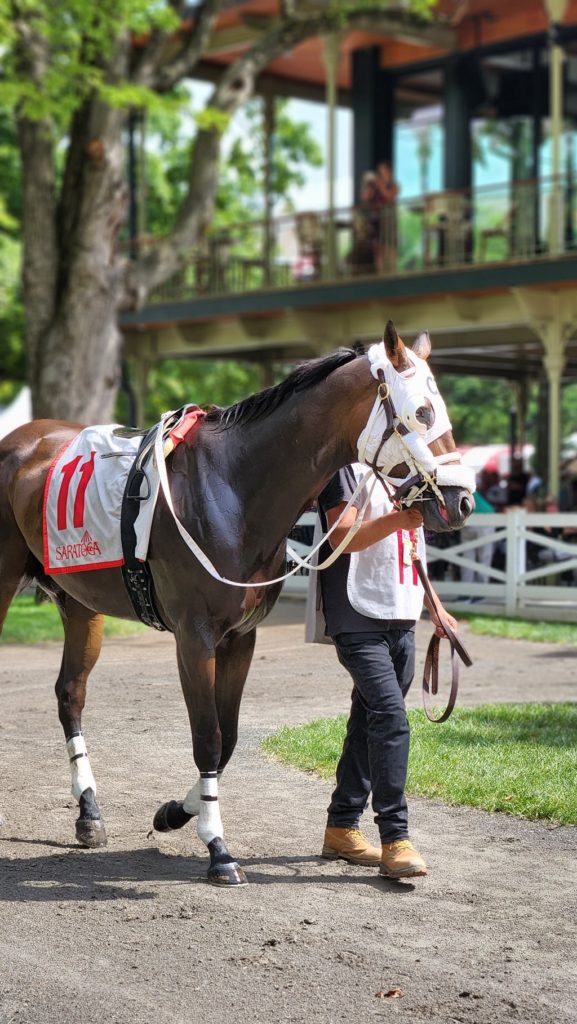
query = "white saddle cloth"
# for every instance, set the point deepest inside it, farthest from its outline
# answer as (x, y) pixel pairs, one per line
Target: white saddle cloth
(83, 499)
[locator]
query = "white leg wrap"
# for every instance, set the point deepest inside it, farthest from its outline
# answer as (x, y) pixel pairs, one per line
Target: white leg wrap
(209, 821)
(191, 802)
(82, 777)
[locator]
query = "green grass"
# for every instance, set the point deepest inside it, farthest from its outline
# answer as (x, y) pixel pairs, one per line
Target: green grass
(516, 758)
(521, 629)
(30, 623)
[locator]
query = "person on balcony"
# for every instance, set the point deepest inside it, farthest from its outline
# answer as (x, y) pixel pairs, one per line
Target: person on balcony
(387, 192)
(366, 227)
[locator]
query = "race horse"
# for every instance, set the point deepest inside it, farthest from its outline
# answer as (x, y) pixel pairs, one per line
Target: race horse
(238, 486)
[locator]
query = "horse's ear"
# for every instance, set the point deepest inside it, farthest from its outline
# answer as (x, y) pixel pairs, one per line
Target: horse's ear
(422, 345)
(391, 339)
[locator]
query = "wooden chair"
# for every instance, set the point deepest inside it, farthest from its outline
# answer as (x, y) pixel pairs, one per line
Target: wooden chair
(446, 229)
(309, 232)
(502, 229)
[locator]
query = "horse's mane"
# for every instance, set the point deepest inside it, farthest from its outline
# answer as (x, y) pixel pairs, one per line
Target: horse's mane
(305, 376)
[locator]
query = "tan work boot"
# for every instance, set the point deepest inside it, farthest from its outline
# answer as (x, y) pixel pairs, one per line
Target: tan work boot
(349, 844)
(399, 859)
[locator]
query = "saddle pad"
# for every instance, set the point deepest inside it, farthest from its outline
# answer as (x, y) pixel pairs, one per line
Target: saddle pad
(83, 500)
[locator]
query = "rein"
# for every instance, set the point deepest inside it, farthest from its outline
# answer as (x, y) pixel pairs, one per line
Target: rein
(301, 562)
(431, 668)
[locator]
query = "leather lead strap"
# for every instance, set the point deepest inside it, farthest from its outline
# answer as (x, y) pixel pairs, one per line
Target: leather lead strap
(431, 669)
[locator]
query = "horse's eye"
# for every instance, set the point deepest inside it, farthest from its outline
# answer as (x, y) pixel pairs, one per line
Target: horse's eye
(418, 414)
(425, 414)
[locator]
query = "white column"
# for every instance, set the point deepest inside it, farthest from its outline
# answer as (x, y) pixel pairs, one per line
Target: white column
(556, 10)
(269, 127)
(332, 56)
(554, 335)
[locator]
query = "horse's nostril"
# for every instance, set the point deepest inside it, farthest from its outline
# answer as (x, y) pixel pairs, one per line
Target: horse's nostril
(466, 506)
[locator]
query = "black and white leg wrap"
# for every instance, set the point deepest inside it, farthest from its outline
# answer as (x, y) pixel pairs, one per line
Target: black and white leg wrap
(82, 777)
(209, 820)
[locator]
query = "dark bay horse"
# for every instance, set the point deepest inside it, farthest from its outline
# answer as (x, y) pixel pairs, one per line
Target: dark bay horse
(238, 486)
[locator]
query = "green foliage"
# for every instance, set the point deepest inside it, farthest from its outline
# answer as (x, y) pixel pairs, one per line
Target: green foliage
(569, 410)
(479, 408)
(419, 8)
(520, 759)
(212, 120)
(241, 182)
(12, 361)
(79, 38)
(206, 382)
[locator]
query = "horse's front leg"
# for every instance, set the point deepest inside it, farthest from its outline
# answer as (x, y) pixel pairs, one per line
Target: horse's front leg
(82, 644)
(210, 690)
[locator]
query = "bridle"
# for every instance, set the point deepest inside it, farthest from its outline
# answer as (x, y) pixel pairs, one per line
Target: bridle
(427, 472)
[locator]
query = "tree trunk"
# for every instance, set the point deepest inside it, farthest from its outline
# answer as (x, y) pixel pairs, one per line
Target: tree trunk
(80, 368)
(77, 365)
(72, 270)
(77, 347)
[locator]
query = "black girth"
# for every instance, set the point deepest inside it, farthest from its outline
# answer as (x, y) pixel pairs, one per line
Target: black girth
(136, 574)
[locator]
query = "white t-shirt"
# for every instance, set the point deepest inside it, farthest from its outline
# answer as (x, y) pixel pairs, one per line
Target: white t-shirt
(382, 581)
(374, 589)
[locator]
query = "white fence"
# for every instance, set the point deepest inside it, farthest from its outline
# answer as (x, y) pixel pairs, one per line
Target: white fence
(516, 563)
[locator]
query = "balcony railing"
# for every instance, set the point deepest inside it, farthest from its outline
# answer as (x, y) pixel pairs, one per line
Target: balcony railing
(519, 221)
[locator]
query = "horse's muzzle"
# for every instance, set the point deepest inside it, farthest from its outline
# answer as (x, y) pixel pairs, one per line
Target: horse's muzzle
(459, 505)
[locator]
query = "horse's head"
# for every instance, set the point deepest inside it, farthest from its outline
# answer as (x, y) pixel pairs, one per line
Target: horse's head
(408, 439)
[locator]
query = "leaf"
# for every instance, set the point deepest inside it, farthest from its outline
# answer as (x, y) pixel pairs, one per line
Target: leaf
(212, 120)
(393, 993)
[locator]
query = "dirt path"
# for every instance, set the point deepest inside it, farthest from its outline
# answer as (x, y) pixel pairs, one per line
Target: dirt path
(133, 934)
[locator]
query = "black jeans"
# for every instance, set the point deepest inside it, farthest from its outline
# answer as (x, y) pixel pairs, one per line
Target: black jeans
(376, 748)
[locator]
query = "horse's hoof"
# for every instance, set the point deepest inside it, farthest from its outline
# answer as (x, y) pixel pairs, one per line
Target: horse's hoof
(225, 875)
(91, 833)
(171, 816)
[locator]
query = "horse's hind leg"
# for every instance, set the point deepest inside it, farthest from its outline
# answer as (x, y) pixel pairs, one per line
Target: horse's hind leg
(82, 643)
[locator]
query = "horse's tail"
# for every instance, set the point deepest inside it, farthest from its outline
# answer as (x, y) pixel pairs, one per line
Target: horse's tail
(18, 566)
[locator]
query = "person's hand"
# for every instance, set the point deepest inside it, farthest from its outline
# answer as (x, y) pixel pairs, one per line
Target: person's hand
(410, 519)
(451, 622)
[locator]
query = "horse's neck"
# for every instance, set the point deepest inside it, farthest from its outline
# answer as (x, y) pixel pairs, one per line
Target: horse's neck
(280, 462)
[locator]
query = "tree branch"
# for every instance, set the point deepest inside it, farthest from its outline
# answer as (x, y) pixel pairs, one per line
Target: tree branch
(159, 67)
(237, 83)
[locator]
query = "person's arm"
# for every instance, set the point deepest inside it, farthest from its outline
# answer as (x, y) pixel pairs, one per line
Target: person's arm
(387, 190)
(372, 530)
(435, 618)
